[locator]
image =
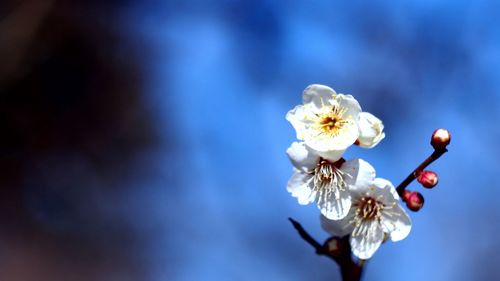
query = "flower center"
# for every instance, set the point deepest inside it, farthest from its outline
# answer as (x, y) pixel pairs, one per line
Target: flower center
(329, 122)
(332, 122)
(328, 178)
(368, 208)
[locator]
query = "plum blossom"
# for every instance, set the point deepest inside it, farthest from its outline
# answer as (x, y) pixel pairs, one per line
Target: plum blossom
(327, 121)
(375, 213)
(326, 181)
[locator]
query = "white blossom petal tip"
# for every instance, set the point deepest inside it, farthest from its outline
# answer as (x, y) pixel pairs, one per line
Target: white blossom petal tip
(302, 157)
(335, 205)
(337, 228)
(361, 174)
(300, 186)
(365, 239)
(318, 95)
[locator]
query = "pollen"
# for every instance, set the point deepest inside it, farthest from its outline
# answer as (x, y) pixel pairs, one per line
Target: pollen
(369, 208)
(332, 122)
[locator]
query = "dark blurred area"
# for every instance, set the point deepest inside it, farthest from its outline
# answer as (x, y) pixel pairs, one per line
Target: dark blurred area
(73, 123)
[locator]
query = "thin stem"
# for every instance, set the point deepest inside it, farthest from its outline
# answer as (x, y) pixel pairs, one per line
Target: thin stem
(307, 237)
(413, 175)
(350, 270)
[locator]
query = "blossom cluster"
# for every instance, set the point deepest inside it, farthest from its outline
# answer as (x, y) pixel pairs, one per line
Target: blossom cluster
(351, 199)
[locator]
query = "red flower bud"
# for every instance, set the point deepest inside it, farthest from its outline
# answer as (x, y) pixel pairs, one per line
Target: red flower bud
(440, 139)
(428, 179)
(415, 201)
(406, 195)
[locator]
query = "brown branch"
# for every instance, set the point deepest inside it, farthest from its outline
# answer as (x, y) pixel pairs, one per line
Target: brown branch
(413, 175)
(307, 237)
(350, 270)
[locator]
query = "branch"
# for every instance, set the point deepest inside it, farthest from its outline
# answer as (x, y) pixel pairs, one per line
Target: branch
(413, 175)
(307, 237)
(341, 254)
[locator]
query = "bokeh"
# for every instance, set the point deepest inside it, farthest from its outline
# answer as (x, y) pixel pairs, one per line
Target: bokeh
(145, 140)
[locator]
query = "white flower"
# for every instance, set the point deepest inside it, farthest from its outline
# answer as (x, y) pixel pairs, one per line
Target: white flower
(371, 130)
(326, 181)
(327, 121)
(375, 212)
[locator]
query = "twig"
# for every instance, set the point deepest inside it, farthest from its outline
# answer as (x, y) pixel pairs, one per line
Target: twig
(413, 175)
(307, 237)
(349, 269)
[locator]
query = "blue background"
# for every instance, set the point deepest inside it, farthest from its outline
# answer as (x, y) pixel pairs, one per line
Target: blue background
(233, 69)
(208, 201)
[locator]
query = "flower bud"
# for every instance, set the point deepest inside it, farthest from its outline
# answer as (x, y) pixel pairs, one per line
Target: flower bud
(406, 195)
(440, 139)
(371, 130)
(415, 201)
(427, 179)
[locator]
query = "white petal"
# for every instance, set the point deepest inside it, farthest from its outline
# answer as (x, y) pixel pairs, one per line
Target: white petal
(386, 190)
(359, 174)
(366, 239)
(331, 155)
(334, 205)
(302, 157)
(395, 220)
(318, 95)
(297, 117)
(301, 187)
(338, 228)
(325, 143)
(366, 123)
(396, 223)
(371, 130)
(351, 104)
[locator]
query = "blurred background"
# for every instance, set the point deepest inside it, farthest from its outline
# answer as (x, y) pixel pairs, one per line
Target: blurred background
(145, 140)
